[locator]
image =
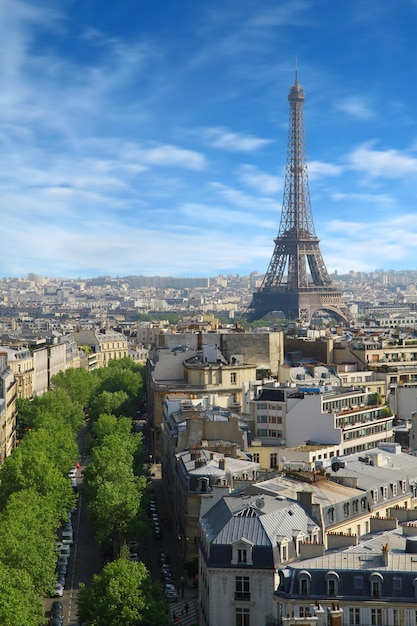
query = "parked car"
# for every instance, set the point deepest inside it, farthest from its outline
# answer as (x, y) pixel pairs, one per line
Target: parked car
(58, 590)
(63, 548)
(57, 608)
(163, 558)
(170, 593)
(67, 537)
(73, 472)
(61, 579)
(63, 558)
(61, 569)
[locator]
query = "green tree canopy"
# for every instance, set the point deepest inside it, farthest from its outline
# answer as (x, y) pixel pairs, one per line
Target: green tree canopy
(19, 602)
(27, 537)
(108, 402)
(31, 466)
(123, 595)
(78, 383)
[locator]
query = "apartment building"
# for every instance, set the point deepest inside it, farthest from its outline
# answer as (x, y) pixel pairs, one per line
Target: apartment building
(194, 372)
(346, 420)
(105, 344)
(244, 539)
(373, 582)
(8, 395)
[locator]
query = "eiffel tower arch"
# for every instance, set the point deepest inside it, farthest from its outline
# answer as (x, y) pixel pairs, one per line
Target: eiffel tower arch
(288, 285)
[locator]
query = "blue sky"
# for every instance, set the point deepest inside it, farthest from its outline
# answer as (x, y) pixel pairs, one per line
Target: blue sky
(150, 137)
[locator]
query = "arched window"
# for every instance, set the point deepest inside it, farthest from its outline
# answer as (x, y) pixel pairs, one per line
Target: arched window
(376, 579)
(332, 583)
(331, 514)
(304, 583)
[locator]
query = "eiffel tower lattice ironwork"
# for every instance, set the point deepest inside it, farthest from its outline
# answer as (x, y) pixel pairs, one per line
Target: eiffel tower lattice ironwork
(303, 293)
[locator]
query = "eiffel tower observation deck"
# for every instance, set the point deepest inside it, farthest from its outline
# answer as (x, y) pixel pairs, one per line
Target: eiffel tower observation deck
(288, 286)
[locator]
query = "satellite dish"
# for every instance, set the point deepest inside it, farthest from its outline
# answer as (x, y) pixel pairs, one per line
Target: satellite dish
(260, 503)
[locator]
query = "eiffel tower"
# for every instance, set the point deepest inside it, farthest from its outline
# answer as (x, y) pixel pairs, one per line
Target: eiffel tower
(302, 294)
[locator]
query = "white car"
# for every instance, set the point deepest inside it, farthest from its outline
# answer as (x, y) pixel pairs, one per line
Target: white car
(58, 591)
(72, 473)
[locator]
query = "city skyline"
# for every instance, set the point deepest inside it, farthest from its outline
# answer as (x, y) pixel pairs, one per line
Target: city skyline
(141, 139)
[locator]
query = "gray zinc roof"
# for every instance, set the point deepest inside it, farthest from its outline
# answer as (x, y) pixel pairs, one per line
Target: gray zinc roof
(261, 519)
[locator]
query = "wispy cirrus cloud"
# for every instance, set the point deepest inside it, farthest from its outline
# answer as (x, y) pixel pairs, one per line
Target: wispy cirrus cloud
(225, 139)
(264, 183)
(356, 107)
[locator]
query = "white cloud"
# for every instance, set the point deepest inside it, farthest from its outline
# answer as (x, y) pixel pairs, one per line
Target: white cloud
(260, 181)
(225, 139)
(384, 200)
(356, 107)
(240, 199)
(382, 163)
(318, 169)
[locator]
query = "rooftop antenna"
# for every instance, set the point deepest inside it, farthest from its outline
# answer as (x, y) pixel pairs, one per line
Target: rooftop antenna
(296, 69)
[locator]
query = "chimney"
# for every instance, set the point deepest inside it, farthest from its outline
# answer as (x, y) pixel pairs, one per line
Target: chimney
(385, 555)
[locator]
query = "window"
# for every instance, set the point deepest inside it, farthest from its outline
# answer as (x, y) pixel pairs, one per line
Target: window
(242, 617)
(397, 583)
(304, 579)
(376, 585)
(304, 611)
(358, 582)
(376, 616)
(385, 492)
(354, 617)
(398, 617)
(261, 419)
(284, 552)
(273, 460)
(331, 587)
(355, 506)
(233, 378)
(394, 489)
(346, 509)
(242, 555)
(255, 457)
(375, 496)
(242, 590)
(331, 514)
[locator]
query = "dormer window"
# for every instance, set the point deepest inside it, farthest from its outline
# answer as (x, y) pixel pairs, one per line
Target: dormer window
(304, 583)
(376, 579)
(332, 583)
(242, 553)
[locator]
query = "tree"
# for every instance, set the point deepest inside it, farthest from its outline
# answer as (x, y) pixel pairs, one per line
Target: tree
(123, 595)
(78, 383)
(19, 603)
(31, 466)
(27, 537)
(107, 402)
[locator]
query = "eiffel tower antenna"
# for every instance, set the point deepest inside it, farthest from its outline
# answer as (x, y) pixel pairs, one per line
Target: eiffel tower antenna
(299, 294)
